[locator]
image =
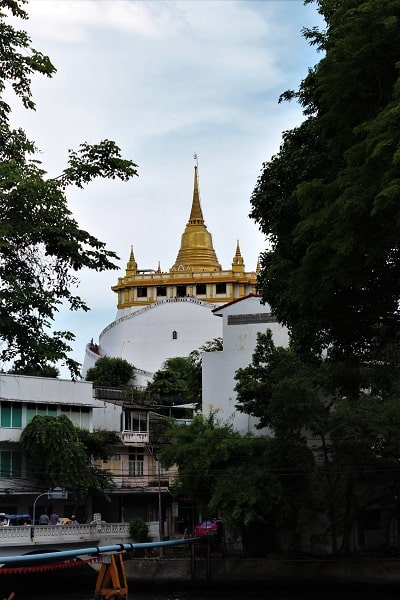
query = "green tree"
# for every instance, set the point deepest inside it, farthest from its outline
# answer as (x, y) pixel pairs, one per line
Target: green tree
(42, 247)
(328, 201)
(328, 205)
(179, 380)
(176, 383)
(347, 415)
(34, 370)
(60, 454)
(111, 372)
(213, 470)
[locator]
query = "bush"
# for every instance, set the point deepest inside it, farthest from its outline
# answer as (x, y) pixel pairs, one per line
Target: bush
(139, 530)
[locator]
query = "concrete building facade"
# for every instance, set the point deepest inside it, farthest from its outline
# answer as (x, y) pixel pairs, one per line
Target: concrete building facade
(241, 319)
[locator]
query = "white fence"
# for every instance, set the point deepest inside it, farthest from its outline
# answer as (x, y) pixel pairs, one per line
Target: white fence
(64, 534)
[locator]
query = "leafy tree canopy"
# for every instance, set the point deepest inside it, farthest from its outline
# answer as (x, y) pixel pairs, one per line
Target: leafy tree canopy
(176, 383)
(60, 454)
(179, 380)
(328, 202)
(34, 370)
(347, 414)
(111, 372)
(42, 247)
(213, 470)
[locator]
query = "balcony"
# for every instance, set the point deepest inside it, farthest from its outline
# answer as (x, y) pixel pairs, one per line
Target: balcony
(135, 437)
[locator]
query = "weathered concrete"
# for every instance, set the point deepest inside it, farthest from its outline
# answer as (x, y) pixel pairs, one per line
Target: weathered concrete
(288, 572)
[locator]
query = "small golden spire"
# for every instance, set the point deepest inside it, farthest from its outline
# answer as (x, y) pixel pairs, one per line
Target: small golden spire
(238, 262)
(258, 268)
(158, 268)
(131, 265)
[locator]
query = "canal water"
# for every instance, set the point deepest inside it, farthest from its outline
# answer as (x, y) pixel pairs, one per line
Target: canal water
(79, 584)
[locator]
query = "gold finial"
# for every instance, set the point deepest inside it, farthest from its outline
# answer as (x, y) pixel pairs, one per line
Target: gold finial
(237, 262)
(258, 268)
(196, 252)
(131, 265)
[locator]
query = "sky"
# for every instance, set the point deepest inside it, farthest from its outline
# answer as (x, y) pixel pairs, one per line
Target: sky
(164, 79)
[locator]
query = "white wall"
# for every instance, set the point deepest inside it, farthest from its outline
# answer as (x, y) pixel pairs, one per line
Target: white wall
(144, 338)
(239, 344)
(25, 389)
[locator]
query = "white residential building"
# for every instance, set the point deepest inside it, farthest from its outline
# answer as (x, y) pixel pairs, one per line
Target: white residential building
(242, 320)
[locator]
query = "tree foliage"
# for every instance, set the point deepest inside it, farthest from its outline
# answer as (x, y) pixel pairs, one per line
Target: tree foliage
(34, 370)
(179, 380)
(328, 201)
(213, 470)
(60, 454)
(347, 414)
(176, 383)
(42, 247)
(111, 372)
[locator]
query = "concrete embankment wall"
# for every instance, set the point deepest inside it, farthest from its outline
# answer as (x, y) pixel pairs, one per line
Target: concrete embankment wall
(288, 572)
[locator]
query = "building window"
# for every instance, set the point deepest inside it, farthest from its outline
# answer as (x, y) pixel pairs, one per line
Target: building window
(136, 462)
(135, 421)
(142, 292)
(79, 415)
(162, 290)
(11, 414)
(10, 464)
(174, 335)
(201, 289)
(43, 410)
(220, 288)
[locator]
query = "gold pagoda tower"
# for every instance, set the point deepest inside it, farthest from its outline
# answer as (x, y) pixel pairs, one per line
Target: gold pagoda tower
(196, 272)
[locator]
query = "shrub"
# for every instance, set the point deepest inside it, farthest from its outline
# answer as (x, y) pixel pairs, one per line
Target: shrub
(139, 530)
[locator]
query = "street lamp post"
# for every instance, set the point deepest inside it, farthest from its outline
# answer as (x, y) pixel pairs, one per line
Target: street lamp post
(56, 493)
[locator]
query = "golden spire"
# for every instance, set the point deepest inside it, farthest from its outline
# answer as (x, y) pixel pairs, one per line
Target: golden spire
(258, 268)
(196, 214)
(237, 262)
(131, 265)
(196, 252)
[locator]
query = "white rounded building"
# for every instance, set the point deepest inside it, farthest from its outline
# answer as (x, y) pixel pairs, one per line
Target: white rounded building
(164, 315)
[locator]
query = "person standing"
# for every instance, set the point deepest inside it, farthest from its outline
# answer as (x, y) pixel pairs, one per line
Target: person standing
(53, 518)
(44, 518)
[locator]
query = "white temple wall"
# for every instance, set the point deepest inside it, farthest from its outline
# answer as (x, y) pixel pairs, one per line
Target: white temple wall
(145, 338)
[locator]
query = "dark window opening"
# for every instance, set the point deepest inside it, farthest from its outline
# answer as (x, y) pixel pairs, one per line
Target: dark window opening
(220, 288)
(181, 291)
(161, 290)
(201, 289)
(142, 292)
(174, 335)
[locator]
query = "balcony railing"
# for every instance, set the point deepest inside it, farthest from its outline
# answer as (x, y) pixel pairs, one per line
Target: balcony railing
(12, 536)
(135, 437)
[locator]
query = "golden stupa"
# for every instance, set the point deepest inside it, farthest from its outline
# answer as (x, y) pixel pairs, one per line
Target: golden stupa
(195, 274)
